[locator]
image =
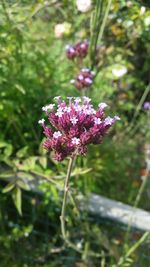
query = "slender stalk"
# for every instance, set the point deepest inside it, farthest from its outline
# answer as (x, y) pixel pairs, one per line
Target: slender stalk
(103, 261)
(104, 20)
(63, 213)
(137, 200)
(63, 210)
(132, 249)
(141, 190)
(96, 20)
(138, 108)
(98, 23)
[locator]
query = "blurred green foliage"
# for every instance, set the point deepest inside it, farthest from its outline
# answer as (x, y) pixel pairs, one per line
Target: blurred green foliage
(33, 70)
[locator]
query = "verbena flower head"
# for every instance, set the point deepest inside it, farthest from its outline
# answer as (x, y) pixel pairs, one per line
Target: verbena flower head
(147, 105)
(74, 125)
(79, 50)
(84, 79)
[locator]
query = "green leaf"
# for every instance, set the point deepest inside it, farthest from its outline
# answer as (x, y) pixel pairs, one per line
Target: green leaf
(25, 176)
(43, 162)
(23, 185)
(22, 152)
(42, 151)
(2, 144)
(20, 89)
(8, 187)
(8, 150)
(6, 175)
(17, 199)
(29, 163)
(79, 171)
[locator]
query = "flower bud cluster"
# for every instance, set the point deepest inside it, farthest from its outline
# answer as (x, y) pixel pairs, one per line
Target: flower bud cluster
(79, 50)
(74, 125)
(84, 79)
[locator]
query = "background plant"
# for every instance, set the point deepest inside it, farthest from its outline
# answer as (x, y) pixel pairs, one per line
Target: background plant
(33, 70)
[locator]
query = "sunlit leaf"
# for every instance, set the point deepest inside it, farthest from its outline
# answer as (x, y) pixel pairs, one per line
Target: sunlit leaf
(22, 184)
(8, 187)
(43, 161)
(17, 199)
(22, 152)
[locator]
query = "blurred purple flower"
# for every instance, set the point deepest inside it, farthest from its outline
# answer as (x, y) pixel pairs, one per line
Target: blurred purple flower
(79, 50)
(84, 79)
(74, 125)
(147, 105)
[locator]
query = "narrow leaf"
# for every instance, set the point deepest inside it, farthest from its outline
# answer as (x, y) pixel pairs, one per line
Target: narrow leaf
(8, 187)
(17, 199)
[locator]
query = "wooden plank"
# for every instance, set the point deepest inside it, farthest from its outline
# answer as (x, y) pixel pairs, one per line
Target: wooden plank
(117, 211)
(102, 206)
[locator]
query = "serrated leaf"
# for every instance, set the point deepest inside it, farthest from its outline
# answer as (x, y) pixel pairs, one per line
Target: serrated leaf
(17, 199)
(8, 187)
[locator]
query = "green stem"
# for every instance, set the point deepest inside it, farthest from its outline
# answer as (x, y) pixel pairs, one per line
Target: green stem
(104, 20)
(98, 23)
(64, 204)
(141, 190)
(137, 200)
(95, 25)
(132, 249)
(138, 108)
(63, 211)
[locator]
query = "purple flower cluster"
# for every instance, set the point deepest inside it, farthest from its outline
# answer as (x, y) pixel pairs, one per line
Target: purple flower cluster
(147, 105)
(84, 79)
(74, 125)
(79, 50)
